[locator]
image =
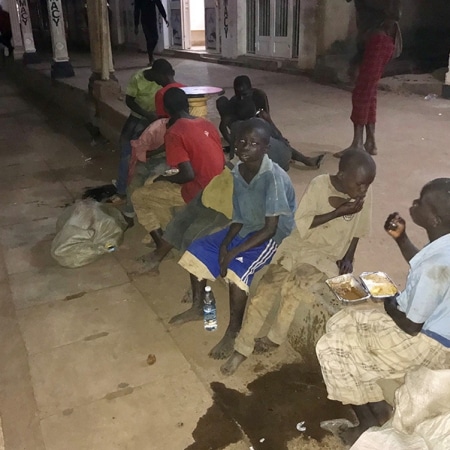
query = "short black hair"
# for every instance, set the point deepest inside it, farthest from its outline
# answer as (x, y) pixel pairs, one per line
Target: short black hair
(242, 80)
(163, 67)
(440, 188)
(175, 100)
(256, 124)
(352, 159)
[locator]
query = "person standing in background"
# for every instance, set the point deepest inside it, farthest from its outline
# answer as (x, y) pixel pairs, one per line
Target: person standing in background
(145, 10)
(5, 30)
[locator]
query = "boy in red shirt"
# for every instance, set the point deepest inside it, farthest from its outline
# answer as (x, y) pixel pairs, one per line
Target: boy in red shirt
(193, 148)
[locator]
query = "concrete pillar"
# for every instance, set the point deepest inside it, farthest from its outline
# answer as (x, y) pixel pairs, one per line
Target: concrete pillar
(446, 86)
(100, 43)
(19, 49)
(307, 49)
(61, 66)
(30, 56)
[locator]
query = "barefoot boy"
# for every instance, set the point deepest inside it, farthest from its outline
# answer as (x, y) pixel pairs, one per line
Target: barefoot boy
(333, 214)
(263, 215)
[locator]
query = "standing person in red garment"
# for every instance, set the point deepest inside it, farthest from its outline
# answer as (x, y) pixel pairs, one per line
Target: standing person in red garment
(378, 41)
(145, 10)
(5, 30)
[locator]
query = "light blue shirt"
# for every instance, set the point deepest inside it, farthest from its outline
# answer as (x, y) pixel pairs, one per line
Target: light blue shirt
(426, 298)
(269, 194)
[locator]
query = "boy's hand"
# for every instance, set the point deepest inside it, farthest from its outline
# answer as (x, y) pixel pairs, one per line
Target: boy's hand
(395, 225)
(224, 260)
(350, 207)
(345, 266)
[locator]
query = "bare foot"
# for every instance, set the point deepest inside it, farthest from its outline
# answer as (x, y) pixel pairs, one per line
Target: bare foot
(150, 260)
(187, 297)
(315, 162)
(371, 148)
(233, 362)
(190, 315)
(225, 347)
(264, 345)
(352, 147)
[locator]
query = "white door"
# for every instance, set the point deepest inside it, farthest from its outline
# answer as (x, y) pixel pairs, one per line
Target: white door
(274, 24)
(212, 25)
(180, 34)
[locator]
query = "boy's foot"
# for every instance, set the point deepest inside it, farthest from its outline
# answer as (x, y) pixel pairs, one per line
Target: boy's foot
(316, 161)
(352, 147)
(234, 361)
(192, 314)
(117, 199)
(371, 148)
(225, 347)
(264, 345)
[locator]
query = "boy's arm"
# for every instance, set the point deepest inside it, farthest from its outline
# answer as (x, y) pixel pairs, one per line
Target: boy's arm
(133, 105)
(346, 263)
(348, 208)
(400, 319)
(264, 234)
(395, 226)
(184, 175)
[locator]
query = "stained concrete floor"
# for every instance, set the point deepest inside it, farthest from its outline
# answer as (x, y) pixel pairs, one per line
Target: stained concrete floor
(74, 342)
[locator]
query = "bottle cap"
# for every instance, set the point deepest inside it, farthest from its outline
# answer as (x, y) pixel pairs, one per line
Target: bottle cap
(207, 288)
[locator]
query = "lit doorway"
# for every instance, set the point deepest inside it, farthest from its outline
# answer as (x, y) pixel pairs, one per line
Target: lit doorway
(193, 25)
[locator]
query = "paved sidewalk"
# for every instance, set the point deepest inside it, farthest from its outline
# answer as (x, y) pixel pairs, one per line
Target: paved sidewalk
(75, 342)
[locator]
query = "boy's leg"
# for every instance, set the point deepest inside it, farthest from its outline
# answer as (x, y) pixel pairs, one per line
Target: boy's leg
(153, 167)
(240, 274)
(297, 287)
(238, 300)
(153, 203)
(195, 312)
(201, 260)
(260, 305)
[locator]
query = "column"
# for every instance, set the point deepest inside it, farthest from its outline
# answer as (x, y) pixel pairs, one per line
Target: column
(446, 86)
(30, 56)
(61, 66)
(307, 48)
(19, 49)
(100, 42)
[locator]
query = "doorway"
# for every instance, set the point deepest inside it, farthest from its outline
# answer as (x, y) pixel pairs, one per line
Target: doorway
(193, 25)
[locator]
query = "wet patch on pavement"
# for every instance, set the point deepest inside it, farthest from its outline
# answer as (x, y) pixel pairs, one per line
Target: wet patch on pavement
(277, 401)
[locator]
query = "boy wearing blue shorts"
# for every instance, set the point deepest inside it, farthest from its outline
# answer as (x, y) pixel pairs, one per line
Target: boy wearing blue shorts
(263, 215)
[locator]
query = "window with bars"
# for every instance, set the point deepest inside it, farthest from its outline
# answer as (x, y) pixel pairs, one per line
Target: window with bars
(264, 18)
(251, 26)
(281, 18)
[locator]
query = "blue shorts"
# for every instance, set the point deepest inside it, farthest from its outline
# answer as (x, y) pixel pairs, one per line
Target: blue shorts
(241, 269)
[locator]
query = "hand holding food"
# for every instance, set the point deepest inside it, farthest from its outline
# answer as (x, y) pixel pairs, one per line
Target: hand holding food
(395, 225)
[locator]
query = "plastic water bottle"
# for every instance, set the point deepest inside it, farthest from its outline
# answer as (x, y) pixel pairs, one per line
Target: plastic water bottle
(209, 310)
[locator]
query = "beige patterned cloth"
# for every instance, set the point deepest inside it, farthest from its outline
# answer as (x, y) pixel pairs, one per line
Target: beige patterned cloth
(154, 202)
(289, 288)
(361, 347)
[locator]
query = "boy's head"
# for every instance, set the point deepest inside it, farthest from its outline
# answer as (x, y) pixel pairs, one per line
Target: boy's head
(163, 71)
(252, 140)
(356, 173)
(175, 101)
(242, 86)
(432, 208)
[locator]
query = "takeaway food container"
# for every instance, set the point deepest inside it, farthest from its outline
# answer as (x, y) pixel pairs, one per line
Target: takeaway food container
(348, 289)
(379, 285)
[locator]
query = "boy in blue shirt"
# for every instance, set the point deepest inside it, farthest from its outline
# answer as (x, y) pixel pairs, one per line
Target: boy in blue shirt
(263, 215)
(361, 347)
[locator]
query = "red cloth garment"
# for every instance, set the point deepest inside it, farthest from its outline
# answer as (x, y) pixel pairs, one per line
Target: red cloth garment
(159, 98)
(197, 141)
(377, 53)
(151, 139)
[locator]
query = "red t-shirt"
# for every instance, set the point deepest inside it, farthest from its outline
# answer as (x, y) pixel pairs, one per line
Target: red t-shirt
(197, 141)
(159, 98)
